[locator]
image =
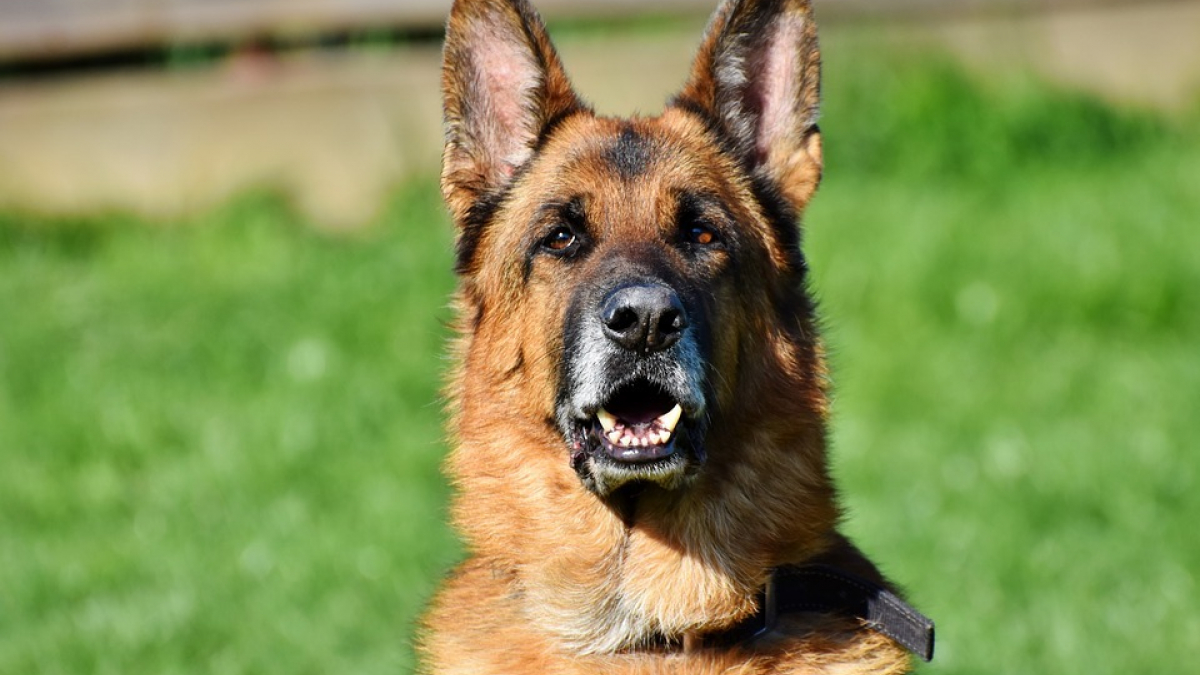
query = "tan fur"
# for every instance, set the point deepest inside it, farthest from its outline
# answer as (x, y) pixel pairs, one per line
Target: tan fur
(557, 580)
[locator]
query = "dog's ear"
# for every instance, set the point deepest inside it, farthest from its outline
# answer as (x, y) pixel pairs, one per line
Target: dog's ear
(758, 76)
(502, 84)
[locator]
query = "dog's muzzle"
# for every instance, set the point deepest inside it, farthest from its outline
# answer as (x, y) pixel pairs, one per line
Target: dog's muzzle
(633, 404)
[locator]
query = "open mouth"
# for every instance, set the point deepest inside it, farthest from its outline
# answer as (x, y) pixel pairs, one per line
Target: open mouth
(637, 424)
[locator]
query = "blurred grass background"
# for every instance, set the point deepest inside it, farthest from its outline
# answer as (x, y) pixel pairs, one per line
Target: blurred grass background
(220, 436)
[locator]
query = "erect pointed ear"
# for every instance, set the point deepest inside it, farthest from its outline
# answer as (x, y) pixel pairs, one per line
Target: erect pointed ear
(758, 76)
(502, 84)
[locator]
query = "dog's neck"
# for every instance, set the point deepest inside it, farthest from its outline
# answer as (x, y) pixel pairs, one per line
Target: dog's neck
(667, 563)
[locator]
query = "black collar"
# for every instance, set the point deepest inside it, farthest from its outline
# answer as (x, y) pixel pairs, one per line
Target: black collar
(826, 589)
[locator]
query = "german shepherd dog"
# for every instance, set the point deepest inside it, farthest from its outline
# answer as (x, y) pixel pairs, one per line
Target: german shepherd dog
(640, 400)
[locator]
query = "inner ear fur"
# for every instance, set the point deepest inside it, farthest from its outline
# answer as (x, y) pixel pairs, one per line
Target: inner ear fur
(502, 85)
(758, 77)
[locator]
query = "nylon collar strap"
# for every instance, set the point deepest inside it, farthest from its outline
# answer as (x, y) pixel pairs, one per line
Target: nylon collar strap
(826, 589)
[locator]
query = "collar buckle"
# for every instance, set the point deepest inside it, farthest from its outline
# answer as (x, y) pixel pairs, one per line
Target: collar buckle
(768, 607)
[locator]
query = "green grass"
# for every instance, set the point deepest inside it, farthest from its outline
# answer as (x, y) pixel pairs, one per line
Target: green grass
(1010, 280)
(220, 439)
(221, 442)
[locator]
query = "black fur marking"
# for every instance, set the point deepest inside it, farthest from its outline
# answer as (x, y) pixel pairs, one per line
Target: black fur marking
(477, 220)
(574, 215)
(692, 107)
(527, 267)
(779, 212)
(783, 221)
(551, 125)
(631, 154)
(725, 141)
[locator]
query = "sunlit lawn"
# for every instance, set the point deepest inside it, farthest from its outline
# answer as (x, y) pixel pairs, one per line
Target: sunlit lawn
(220, 439)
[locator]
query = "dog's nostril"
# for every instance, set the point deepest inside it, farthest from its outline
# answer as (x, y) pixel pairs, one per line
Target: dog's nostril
(666, 325)
(621, 319)
(671, 321)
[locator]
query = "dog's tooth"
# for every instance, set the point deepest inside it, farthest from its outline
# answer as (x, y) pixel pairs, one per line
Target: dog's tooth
(670, 419)
(608, 421)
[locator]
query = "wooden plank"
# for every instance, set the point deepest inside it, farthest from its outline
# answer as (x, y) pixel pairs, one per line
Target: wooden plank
(42, 29)
(57, 29)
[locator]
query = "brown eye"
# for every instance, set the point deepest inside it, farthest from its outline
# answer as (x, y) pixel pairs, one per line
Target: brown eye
(699, 234)
(560, 239)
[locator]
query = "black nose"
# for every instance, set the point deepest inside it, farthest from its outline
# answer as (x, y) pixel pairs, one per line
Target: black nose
(643, 317)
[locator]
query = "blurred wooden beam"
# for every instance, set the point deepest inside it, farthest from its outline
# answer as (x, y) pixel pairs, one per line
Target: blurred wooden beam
(39, 30)
(53, 29)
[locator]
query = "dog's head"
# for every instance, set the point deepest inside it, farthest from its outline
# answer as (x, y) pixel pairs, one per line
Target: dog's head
(634, 288)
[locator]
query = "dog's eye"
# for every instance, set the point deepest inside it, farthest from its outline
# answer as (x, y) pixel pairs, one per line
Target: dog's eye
(702, 235)
(559, 240)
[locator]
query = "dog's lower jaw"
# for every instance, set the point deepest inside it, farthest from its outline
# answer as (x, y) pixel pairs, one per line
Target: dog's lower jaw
(605, 478)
